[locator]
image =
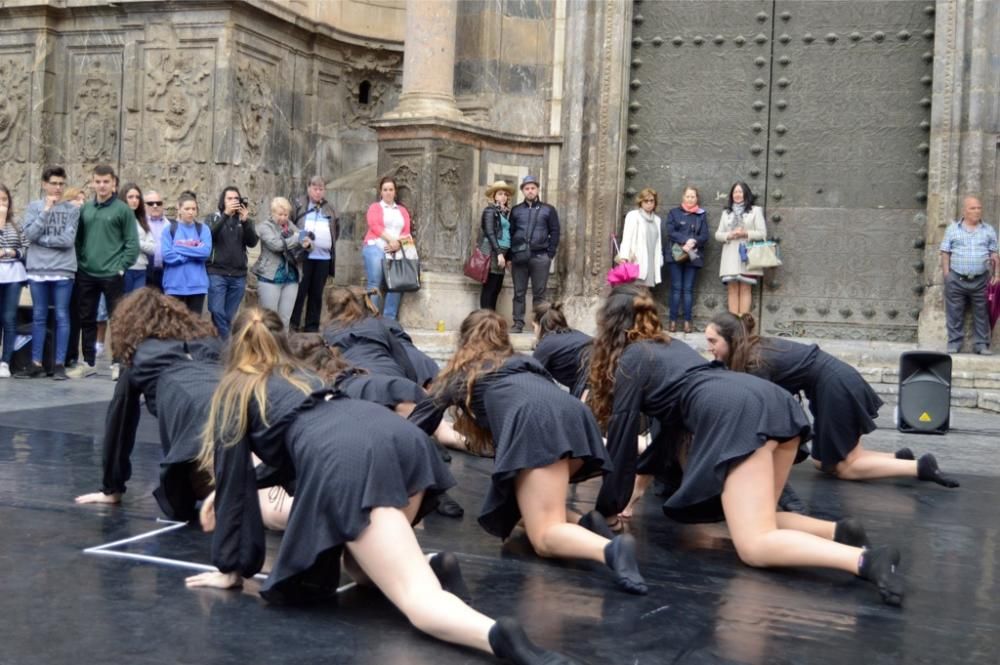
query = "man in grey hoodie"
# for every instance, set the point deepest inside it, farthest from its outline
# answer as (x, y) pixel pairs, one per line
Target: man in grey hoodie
(50, 225)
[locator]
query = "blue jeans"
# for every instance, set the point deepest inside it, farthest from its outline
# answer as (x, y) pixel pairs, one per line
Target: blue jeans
(372, 256)
(224, 297)
(58, 295)
(682, 289)
(134, 280)
(10, 294)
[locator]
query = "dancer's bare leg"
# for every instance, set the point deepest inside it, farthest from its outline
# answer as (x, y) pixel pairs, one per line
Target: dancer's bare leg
(99, 497)
(642, 483)
(445, 434)
(275, 506)
(862, 464)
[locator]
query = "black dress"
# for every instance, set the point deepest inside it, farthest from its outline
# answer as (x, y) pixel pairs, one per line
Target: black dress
(729, 414)
(177, 379)
(566, 356)
(533, 424)
(346, 457)
(370, 345)
(426, 367)
(843, 405)
(389, 391)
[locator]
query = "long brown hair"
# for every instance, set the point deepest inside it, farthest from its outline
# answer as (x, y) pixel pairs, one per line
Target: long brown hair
(347, 304)
(146, 313)
(316, 355)
(10, 205)
(483, 345)
(140, 212)
(258, 348)
(550, 318)
(744, 345)
(628, 315)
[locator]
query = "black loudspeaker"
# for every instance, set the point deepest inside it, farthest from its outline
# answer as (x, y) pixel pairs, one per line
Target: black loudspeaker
(924, 392)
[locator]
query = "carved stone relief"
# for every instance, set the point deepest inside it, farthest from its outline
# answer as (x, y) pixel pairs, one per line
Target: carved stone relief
(255, 105)
(179, 92)
(96, 115)
(15, 78)
(380, 93)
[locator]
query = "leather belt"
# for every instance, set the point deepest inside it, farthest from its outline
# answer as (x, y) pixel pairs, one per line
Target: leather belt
(967, 278)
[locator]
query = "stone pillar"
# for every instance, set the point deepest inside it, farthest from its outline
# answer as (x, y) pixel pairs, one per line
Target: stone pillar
(964, 140)
(429, 61)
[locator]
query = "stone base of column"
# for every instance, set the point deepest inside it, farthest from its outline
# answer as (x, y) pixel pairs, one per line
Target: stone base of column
(425, 106)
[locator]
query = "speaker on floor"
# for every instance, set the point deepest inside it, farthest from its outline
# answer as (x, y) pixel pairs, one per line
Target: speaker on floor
(924, 392)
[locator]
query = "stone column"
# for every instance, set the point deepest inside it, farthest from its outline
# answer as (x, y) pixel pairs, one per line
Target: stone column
(429, 61)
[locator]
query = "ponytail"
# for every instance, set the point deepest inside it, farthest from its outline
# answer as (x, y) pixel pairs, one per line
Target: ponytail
(550, 318)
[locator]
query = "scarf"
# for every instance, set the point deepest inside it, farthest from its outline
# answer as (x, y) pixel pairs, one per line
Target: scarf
(691, 209)
(737, 220)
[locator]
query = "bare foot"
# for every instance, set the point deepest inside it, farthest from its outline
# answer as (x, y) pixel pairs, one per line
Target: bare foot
(214, 580)
(99, 497)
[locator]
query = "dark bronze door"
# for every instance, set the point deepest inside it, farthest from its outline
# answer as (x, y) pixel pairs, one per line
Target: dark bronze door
(822, 107)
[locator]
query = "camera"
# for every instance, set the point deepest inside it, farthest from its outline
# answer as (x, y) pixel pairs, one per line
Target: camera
(243, 201)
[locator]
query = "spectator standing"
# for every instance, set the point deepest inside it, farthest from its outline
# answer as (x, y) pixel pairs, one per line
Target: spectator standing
(135, 276)
(641, 239)
(388, 225)
(686, 229)
(186, 245)
(534, 225)
(968, 260)
(741, 222)
(50, 227)
(157, 220)
(495, 240)
(106, 245)
(282, 245)
(12, 275)
(314, 214)
(232, 233)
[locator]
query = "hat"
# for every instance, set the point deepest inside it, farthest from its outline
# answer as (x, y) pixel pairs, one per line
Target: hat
(530, 180)
(499, 186)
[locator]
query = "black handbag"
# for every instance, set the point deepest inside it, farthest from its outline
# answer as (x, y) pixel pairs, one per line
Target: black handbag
(401, 275)
(520, 252)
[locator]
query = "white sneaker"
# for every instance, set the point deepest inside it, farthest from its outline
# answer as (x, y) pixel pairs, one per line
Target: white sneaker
(116, 370)
(81, 370)
(98, 349)
(4, 371)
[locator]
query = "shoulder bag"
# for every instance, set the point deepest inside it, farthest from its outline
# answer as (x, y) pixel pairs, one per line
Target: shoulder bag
(477, 266)
(520, 252)
(762, 254)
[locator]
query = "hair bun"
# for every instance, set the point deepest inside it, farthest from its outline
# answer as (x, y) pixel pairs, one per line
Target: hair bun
(748, 322)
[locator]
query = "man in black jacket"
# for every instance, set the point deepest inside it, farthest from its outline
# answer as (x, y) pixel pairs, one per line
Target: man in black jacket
(534, 239)
(314, 214)
(232, 233)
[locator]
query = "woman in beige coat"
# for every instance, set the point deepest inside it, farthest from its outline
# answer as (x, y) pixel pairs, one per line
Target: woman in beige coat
(741, 222)
(641, 239)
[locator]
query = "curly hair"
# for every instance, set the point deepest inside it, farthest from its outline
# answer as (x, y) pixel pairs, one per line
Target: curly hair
(483, 345)
(148, 314)
(628, 315)
(744, 345)
(347, 304)
(316, 355)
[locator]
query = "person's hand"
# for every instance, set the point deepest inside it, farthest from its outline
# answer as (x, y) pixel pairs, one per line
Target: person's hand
(207, 513)
(307, 244)
(501, 261)
(243, 212)
(214, 580)
(49, 202)
(393, 246)
(690, 244)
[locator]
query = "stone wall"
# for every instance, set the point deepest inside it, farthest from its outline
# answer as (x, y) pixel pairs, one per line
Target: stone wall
(192, 96)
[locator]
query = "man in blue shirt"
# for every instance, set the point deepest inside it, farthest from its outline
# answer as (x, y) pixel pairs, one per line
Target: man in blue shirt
(968, 262)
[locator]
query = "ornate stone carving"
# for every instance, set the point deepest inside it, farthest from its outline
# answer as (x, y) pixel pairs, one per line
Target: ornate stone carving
(179, 91)
(14, 78)
(254, 103)
(448, 205)
(96, 108)
(358, 114)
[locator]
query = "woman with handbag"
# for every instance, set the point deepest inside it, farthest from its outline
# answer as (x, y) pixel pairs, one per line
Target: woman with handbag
(495, 240)
(684, 233)
(282, 248)
(741, 222)
(641, 239)
(388, 226)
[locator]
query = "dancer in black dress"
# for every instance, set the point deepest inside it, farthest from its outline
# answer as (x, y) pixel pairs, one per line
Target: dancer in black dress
(561, 350)
(745, 435)
(541, 438)
(361, 477)
(843, 405)
(425, 367)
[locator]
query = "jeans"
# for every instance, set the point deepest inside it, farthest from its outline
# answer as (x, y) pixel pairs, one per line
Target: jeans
(10, 294)
(372, 256)
(134, 279)
(89, 291)
(43, 294)
(310, 294)
(225, 294)
(682, 276)
(154, 277)
(536, 269)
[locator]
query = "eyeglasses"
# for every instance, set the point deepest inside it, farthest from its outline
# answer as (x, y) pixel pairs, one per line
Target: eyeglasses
(154, 203)
(57, 183)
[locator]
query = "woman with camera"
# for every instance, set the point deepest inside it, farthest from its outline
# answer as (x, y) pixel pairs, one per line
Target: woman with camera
(282, 247)
(232, 233)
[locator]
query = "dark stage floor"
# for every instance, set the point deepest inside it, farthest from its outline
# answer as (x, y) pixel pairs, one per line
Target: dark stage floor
(60, 605)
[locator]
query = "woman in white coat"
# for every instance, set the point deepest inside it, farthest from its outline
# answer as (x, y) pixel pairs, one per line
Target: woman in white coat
(641, 239)
(741, 222)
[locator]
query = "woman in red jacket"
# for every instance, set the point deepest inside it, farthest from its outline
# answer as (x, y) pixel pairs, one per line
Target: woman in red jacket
(388, 227)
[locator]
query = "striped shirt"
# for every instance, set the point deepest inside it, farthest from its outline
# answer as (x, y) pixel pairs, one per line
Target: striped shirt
(970, 250)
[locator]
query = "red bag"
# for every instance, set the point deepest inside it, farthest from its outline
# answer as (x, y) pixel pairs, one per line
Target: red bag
(477, 266)
(993, 302)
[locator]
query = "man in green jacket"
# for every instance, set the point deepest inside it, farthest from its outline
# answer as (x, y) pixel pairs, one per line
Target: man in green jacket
(107, 243)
